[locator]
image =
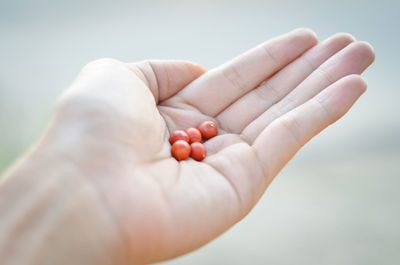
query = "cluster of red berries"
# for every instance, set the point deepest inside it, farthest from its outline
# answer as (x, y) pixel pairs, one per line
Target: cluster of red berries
(188, 143)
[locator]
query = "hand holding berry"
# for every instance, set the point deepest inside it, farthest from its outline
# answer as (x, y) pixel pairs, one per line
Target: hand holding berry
(108, 145)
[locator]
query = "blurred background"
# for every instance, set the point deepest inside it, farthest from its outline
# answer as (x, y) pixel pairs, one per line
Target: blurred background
(337, 202)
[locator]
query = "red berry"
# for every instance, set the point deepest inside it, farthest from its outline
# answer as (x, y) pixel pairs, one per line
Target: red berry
(178, 135)
(194, 135)
(199, 151)
(208, 129)
(180, 150)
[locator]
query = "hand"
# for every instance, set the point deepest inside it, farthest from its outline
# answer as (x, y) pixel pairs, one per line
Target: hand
(113, 125)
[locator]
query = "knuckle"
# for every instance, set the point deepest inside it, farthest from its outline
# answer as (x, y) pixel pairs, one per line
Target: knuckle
(326, 75)
(233, 76)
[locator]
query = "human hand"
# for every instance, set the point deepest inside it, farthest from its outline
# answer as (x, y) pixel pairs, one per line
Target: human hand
(113, 125)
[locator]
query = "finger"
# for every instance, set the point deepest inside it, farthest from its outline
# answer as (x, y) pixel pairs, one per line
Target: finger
(237, 116)
(353, 59)
(278, 143)
(167, 77)
(220, 87)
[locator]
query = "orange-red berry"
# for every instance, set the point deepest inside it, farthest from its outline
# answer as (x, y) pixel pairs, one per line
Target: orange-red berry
(194, 135)
(208, 129)
(178, 135)
(198, 151)
(180, 150)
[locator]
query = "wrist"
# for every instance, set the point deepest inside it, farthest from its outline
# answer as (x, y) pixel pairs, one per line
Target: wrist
(51, 214)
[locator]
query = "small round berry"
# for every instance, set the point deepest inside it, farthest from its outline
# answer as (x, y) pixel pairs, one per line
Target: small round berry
(208, 129)
(180, 150)
(199, 151)
(194, 135)
(178, 135)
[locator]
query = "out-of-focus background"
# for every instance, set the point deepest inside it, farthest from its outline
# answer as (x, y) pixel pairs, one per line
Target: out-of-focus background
(337, 202)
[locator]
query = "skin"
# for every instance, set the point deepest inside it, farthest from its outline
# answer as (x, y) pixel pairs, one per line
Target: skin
(101, 186)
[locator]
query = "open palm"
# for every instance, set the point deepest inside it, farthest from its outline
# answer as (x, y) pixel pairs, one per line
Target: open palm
(268, 103)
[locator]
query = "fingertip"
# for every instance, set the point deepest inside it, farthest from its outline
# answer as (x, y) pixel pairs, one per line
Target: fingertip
(364, 85)
(306, 32)
(365, 50)
(368, 50)
(341, 95)
(201, 67)
(343, 38)
(197, 69)
(358, 81)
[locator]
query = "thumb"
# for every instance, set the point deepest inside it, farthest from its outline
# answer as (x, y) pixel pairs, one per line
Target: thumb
(165, 78)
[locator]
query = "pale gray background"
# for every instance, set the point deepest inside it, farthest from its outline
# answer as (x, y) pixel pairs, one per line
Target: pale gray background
(337, 202)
